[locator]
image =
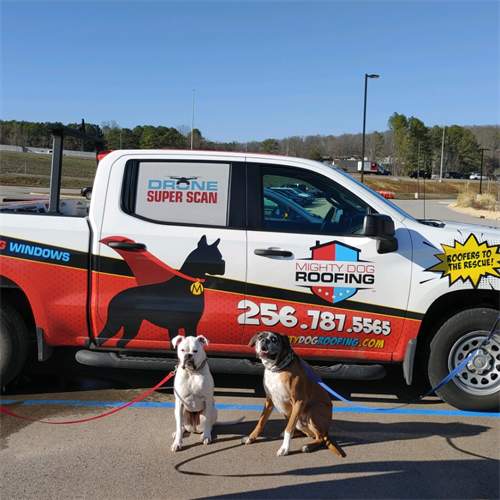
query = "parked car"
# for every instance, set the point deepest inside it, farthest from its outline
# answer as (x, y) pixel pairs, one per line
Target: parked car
(453, 175)
(297, 185)
(477, 177)
(383, 171)
(423, 174)
(294, 196)
(87, 192)
(308, 196)
(307, 189)
(278, 207)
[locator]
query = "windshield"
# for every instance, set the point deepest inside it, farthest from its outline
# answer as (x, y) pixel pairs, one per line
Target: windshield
(381, 198)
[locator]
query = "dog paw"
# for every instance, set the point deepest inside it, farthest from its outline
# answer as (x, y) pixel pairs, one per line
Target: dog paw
(246, 440)
(305, 449)
(176, 447)
(282, 451)
(207, 440)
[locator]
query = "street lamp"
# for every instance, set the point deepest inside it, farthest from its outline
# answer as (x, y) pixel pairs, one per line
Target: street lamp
(364, 127)
(442, 151)
(192, 119)
(481, 178)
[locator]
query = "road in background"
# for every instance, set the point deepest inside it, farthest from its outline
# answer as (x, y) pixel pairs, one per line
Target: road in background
(438, 209)
(9, 193)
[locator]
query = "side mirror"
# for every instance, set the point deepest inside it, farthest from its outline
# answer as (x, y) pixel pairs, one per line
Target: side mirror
(381, 228)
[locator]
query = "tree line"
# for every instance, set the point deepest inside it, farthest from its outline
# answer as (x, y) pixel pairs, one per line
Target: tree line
(408, 143)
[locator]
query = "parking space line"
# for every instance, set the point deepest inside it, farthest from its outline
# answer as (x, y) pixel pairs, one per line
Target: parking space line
(246, 407)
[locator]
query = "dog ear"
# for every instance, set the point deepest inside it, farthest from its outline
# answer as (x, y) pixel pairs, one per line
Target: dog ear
(177, 340)
(202, 340)
(253, 340)
(285, 342)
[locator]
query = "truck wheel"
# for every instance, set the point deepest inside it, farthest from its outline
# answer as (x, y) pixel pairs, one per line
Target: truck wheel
(477, 386)
(13, 343)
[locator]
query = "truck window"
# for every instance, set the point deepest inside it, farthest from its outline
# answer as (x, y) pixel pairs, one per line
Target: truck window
(182, 192)
(299, 201)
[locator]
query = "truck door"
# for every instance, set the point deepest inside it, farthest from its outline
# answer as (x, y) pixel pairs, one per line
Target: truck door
(314, 276)
(170, 253)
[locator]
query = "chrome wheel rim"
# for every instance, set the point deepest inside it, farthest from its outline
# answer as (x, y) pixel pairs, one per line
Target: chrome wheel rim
(481, 374)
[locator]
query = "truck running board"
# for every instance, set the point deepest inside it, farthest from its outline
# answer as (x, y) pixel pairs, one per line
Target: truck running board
(222, 365)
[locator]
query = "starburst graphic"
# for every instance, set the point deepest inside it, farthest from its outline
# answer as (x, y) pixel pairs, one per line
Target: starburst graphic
(468, 261)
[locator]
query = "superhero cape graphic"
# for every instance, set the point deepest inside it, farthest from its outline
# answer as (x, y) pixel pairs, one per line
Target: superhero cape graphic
(166, 298)
(334, 251)
(146, 268)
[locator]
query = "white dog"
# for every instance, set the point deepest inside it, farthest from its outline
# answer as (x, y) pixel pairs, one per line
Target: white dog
(194, 391)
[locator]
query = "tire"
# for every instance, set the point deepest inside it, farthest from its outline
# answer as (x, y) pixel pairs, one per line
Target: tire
(14, 343)
(477, 386)
(88, 195)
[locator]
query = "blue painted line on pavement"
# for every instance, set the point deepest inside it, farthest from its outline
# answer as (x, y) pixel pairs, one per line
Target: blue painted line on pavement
(113, 404)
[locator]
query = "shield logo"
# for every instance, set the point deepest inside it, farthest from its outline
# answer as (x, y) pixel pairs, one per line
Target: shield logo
(335, 251)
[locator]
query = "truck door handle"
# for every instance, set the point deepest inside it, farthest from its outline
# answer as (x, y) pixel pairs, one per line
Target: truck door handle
(273, 252)
(124, 245)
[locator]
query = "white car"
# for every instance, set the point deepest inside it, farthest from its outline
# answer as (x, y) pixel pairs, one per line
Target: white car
(476, 176)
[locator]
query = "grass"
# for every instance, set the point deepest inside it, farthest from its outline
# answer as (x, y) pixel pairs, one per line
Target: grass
(487, 201)
(30, 169)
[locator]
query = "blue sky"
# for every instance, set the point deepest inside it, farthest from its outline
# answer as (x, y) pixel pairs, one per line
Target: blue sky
(259, 69)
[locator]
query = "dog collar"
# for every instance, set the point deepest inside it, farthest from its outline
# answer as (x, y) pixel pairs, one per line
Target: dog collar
(285, 362)
(197, 369)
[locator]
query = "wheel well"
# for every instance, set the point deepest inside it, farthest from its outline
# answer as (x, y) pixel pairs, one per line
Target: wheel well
(447, 306)
(12, 293)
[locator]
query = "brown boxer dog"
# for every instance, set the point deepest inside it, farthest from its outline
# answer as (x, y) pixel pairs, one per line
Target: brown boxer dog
(304, 403)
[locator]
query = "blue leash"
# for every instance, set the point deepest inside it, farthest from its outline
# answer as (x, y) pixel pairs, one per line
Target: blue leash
(454, 372)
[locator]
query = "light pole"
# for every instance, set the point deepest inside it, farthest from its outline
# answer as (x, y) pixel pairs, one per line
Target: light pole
(481, 178)
(192, 120)
(442, 152)
(364, 127)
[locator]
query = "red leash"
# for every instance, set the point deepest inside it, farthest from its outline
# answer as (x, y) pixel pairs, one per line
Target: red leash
(8, 412)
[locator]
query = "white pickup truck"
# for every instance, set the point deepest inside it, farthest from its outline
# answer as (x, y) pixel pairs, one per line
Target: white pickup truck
(197, 242)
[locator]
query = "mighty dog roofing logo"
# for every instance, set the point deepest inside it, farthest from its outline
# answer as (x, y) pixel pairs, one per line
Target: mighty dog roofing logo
(334, 272)
(470, 261)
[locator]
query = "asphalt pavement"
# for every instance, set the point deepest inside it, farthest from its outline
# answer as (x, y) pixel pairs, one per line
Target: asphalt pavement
(439, 209)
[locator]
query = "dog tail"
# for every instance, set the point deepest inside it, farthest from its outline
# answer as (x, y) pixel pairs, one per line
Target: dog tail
(332, 447)
(230, 422)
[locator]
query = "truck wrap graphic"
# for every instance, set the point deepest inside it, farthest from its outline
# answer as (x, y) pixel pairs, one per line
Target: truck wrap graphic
(41, 252)
(469, 262)
(336, 270)
(170, 299)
